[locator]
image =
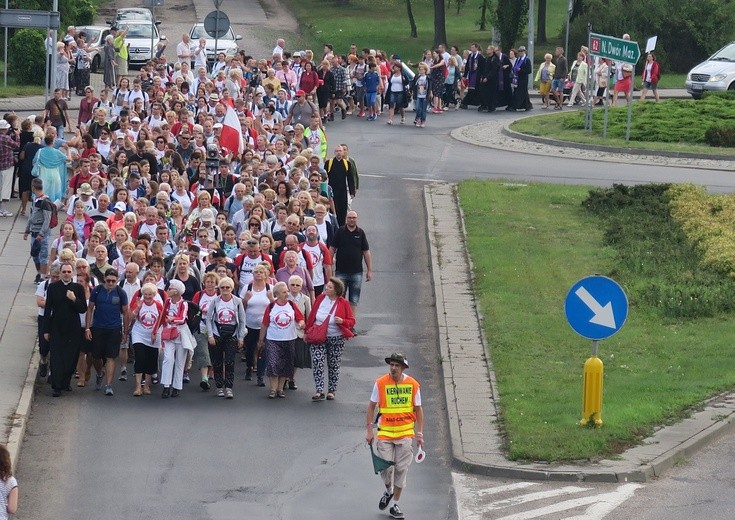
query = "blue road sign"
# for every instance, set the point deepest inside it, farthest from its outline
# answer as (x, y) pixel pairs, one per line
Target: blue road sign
(596, 307)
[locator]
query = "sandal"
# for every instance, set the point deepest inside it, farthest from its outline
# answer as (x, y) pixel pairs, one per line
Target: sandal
(389, 122)
(330, 396)
(81, 383)
(281, 394)
(403, 121)
(272, 395)
(317, 396)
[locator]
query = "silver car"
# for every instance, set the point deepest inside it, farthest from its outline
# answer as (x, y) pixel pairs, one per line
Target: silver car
(226, 44)
(715, 74)
(139, 41)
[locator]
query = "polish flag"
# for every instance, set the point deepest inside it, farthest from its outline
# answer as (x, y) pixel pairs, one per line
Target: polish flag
(231, 137)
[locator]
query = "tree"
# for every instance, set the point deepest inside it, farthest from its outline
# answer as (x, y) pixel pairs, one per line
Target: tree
(440, 24)
(483, 15)
(510, 16)
(414, 31)
(541, 25)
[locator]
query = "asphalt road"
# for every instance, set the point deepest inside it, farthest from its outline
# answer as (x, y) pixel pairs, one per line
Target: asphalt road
(88, 456)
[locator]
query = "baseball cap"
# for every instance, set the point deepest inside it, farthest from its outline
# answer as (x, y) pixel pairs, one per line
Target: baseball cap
(219, 253)
(120, 206)
(300, 93)
(288, 128)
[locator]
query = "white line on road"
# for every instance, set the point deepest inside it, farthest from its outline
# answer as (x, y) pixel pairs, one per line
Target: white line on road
(540, 495)
(614, 499)
(369, 175)
(607, 503)
(500, 489)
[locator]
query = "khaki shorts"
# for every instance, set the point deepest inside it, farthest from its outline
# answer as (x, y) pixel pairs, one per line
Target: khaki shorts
(399, 451)
(122, 66)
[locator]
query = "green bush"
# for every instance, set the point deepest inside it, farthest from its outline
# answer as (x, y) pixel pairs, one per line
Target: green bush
(27, 56)
(720, 135)
(656, 262)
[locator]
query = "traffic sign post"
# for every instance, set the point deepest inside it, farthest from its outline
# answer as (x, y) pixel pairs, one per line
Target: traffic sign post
(596, 307)
(622, 51)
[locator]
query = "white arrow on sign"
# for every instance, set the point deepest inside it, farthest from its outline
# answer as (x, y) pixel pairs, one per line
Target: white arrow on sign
(603, 316)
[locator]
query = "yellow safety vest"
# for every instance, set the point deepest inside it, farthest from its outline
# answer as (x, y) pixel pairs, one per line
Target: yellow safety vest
(395, 404)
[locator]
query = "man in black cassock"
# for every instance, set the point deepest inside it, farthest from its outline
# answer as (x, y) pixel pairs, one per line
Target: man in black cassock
(521, 71)
(342, 182)
(472, 72)
(65, 301)
(505, 73)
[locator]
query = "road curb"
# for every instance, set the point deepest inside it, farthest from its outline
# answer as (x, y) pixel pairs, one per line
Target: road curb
(23, 410)
(478, 445)
(611, 149)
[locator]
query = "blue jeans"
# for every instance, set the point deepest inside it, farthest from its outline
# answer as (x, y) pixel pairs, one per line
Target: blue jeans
(420, 107)
(353, 284)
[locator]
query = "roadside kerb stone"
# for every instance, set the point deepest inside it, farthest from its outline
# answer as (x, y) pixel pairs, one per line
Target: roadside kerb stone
(494, 133)
(471, 390)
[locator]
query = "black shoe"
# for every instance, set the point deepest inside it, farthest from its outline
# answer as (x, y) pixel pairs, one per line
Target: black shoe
(175, 392)
(463, 107)
(260, 382)
(508, 109)
(57, 393)
(331, 117)
(204, 385)
(36, 281)
(248, 374)
(480, 109)
(292, 385)
(43, 370)
(68, 388)
(395, 512)
(344, 114)
(166, 393)
(385, 500)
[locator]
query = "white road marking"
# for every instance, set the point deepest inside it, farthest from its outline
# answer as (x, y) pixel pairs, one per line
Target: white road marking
(608, 503)
(614, 498)
(369, 175)
(509, 487)
(540, 495)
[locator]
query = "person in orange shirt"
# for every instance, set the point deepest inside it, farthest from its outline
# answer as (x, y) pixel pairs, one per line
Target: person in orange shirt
(400, 419)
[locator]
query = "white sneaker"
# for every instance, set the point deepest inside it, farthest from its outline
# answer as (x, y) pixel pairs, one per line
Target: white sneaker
(4, 213)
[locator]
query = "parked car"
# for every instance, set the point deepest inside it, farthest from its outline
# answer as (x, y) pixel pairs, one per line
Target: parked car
(96, 40)
(133, 14)
(138, 40)
(715, 74)
(226, 44)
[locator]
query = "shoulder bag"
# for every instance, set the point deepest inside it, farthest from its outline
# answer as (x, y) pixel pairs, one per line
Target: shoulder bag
(317, 334)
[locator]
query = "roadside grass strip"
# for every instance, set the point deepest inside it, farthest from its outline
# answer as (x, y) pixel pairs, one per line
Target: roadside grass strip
(528, 245)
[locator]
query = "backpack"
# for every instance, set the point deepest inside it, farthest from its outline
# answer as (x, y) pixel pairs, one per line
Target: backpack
(193, 316)
(54, 215)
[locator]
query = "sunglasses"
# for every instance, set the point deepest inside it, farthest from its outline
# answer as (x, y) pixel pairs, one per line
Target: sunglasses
(111, 280)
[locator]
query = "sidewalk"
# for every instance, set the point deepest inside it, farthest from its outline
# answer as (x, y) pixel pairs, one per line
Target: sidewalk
(17, 330)
(471, 391)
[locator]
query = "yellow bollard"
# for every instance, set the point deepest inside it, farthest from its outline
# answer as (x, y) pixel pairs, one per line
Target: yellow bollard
(592, 392)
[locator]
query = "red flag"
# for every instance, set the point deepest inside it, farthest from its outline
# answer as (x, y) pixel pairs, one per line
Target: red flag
(231, 137)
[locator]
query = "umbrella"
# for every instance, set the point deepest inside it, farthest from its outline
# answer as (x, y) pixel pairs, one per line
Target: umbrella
(379, 464)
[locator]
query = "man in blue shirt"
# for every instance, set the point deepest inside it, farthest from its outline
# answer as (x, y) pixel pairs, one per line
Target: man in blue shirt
(108, 324)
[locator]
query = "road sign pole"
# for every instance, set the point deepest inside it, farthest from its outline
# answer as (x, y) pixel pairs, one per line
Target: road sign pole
(569, 18)
(630, 104)
(592, 389)
(607, 104)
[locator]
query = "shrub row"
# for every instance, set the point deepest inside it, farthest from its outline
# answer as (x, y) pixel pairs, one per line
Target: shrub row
(656, 260)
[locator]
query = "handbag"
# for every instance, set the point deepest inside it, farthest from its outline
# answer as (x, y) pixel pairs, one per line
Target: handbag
(317, 334)
(169, 333)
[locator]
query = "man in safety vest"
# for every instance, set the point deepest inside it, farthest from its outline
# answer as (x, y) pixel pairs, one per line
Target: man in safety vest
(400, 419)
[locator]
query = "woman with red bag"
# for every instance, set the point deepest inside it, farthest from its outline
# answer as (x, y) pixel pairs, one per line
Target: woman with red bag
(333, 309)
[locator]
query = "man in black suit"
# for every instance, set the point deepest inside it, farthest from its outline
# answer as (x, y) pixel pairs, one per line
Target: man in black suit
(521, 71)
(65, 301)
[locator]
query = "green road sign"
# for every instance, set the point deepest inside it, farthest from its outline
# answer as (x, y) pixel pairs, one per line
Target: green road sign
(613, 48)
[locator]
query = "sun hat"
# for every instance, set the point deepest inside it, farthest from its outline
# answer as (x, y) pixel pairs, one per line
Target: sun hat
(397, 357)
(85, 189)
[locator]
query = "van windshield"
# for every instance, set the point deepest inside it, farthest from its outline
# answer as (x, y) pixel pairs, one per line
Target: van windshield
(726, 54)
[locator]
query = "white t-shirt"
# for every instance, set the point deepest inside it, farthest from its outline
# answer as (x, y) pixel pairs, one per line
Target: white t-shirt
(317, 262)
(183, 49)
(204, 301)
(226, 312)
(281, 321)
(144, 323)
(321, 314)
(246, 272)
(184, 200)
(6, 486)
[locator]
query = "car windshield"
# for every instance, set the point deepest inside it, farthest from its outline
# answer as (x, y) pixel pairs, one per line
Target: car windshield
(140, 31)
(93, 35)
(726, 54)
(199, 32)
(133, 15)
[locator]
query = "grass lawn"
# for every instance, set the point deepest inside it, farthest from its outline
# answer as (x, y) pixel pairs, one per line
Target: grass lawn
(529, 245)
(673, 125)
(14, 89)
(383, 24)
